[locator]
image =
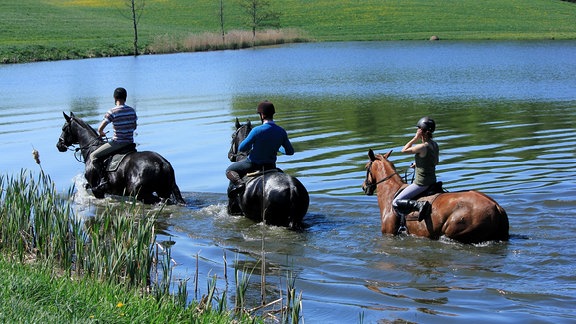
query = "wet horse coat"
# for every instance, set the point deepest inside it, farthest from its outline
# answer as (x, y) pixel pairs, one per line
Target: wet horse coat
(146, 175)
(467, 216)
(272, 195)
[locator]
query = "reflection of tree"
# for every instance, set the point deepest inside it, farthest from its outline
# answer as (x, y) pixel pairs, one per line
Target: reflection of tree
(86, 107)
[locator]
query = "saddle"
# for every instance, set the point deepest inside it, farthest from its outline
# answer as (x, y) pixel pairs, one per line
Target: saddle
(434, 189)
(112, 162)
(428, 195)
(258, 173)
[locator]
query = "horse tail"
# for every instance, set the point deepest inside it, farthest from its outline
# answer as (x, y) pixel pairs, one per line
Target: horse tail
(504, 224)
(177, 195)
(299, 201)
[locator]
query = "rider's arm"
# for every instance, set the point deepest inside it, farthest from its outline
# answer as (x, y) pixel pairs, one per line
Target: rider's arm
(286, 147)
(415, 149)
(246, 144)
(101, 127)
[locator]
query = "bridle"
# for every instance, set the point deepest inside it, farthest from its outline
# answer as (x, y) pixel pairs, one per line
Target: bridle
(234, 148)
(370, 186)
(66, 129)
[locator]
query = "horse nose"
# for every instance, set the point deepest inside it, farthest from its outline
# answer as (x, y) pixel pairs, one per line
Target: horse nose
(60, 146)
(367, 190)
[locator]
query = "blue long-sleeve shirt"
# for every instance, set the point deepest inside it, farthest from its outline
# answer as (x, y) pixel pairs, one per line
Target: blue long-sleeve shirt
(266, 141)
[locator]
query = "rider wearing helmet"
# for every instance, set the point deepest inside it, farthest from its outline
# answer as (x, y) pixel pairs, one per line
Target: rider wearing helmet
(426, 158)
(263, 143)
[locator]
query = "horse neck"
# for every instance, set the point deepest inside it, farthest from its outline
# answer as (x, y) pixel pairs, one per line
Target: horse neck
(88, 140)
(387, 189)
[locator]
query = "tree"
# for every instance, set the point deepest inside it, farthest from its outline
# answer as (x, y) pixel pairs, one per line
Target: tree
(260, 15)
(222, 20)
(136, 10)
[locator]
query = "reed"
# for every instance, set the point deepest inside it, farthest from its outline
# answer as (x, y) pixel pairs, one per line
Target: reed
(117, 248)
(235, 39)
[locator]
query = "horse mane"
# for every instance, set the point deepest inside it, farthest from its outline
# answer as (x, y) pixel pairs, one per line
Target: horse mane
(388, 164)
(84, 125)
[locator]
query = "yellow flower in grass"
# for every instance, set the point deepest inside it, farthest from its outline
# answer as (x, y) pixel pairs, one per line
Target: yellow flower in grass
(120, 304)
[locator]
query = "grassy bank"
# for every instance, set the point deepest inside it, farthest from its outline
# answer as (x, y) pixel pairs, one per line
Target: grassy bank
(60, 29)
(57, 267)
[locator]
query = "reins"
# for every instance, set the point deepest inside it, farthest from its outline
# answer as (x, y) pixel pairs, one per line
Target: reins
(78, 150)
(369, 173)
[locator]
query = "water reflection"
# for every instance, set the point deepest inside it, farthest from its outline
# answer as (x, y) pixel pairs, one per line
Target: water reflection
(504, 112)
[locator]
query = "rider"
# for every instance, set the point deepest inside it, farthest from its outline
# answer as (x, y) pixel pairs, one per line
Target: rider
(123, 119)
(263, 143)
(426, 158)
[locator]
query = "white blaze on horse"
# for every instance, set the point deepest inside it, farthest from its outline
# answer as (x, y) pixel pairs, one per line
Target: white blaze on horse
(466, 216)
(146, 175)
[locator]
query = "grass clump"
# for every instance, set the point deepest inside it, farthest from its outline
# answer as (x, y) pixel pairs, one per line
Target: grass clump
(56, 267)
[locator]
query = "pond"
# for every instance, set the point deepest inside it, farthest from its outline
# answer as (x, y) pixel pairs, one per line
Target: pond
(505, 114)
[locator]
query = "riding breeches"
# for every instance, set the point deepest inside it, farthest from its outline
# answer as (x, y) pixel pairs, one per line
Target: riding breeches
(409, 192)
(107, 149)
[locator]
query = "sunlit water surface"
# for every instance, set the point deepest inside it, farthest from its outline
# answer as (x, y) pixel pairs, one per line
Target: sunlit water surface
(505, 115)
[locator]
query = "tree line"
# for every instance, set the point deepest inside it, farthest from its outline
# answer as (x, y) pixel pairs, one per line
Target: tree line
(258, 15)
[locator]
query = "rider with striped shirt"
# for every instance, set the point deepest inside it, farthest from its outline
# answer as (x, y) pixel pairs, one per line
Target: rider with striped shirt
(123, 119)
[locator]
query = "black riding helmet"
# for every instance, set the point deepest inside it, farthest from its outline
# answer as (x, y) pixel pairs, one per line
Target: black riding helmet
(427, 124)
(266, 108)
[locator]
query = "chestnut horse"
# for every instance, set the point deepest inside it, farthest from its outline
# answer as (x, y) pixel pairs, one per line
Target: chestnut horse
(466, 216)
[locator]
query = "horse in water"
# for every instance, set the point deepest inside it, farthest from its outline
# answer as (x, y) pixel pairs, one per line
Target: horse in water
(466, 216)
(271, 196)
(146, 175)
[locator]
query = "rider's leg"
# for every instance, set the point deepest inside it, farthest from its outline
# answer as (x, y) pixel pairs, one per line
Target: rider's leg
(403, 205)
(97, 158)
(406, 206)
(234, 173)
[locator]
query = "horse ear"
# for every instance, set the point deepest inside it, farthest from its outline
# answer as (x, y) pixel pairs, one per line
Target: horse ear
(237, 123)
(371, 155)
(387, 155)
(248, 123)
(72, 114)
(66, 116)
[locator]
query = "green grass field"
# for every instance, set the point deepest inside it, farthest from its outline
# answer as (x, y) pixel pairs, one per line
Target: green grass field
(56, 29)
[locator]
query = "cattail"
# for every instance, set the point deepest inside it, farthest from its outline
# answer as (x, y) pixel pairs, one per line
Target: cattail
(36, 156)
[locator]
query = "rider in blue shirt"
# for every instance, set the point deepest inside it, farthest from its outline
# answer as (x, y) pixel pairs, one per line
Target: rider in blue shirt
(263, 143)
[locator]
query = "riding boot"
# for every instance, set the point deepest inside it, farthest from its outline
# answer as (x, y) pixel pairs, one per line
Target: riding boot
(237, 184)
(103, 176)
(405, 206)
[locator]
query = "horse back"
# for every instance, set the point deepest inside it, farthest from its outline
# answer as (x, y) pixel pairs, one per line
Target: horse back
(470, 216)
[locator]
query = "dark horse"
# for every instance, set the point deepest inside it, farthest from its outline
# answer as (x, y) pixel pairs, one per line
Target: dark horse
(271, 195)
(467, 216)
(139, 174)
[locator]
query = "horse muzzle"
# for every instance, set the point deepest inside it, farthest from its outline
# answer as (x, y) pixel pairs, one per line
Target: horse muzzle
(368, 189)
(61, 146)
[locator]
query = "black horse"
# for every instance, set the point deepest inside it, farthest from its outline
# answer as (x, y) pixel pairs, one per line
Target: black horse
(271, 195)
(146, 175)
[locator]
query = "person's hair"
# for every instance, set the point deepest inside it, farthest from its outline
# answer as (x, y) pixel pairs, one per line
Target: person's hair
(428, 134)
(120, 94)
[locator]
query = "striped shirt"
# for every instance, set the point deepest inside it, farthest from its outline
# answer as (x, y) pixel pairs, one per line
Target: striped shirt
(123, 119)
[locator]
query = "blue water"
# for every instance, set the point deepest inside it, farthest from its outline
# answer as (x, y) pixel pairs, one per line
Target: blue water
(505, 113)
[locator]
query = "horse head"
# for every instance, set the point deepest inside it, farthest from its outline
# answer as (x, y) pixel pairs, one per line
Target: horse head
(378, 170)
(76, 131)
(68, 137)
(238, 136)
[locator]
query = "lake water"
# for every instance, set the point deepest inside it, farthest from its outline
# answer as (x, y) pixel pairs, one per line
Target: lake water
(505, 114)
